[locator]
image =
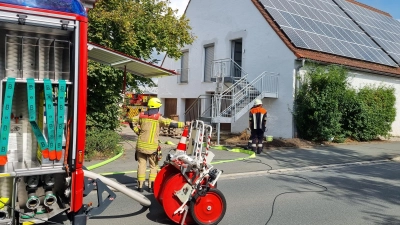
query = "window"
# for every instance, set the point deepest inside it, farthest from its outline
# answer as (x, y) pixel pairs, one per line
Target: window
(208, 62)
(184, 77)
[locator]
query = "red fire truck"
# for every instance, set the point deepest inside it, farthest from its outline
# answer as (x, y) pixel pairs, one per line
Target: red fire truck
(43, 72)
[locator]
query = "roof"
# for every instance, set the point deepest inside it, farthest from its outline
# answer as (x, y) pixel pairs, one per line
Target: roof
(327, 57)
(119, 60)
(370, 8)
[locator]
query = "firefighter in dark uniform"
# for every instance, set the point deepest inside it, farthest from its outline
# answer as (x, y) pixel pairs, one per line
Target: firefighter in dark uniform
(257, 125)
(147, 126)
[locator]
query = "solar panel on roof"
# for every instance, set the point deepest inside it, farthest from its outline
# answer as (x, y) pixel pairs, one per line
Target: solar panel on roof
(383, 29)
(321, 25)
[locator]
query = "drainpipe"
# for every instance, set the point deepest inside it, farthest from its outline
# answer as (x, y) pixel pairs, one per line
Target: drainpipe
(297, 70)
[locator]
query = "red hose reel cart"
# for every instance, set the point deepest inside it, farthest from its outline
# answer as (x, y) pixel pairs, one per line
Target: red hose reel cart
(186, 186)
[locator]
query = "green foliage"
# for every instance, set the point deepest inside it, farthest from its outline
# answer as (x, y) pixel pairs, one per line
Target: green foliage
(104, 94)
(136, 28)
(327, 107)
(102, 143)
(351, 109)
(139, 27)
(377, 112)
(318, 100)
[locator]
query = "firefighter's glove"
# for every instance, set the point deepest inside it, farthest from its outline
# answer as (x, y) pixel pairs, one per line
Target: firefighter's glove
(136, 157)
(159, 153)
(136, 130)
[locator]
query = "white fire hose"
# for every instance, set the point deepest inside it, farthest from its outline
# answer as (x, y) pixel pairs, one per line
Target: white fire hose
(143, 200)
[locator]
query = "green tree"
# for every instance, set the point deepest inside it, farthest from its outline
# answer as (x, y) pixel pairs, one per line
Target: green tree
(136, 28)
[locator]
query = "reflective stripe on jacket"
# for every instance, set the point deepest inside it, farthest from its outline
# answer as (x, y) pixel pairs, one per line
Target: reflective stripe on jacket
(257, 118)
(149, 130)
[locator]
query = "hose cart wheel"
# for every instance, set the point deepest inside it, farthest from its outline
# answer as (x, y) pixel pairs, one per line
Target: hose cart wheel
(162, 177)
(208, 209)
(171, 203)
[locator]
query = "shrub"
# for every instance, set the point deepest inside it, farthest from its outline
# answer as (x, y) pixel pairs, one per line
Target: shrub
(377, 112)
(350, 108)
(317, 114)
(326, 107)
(102, 143)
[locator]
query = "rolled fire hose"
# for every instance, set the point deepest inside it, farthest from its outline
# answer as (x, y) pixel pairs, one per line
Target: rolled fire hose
(143, 200)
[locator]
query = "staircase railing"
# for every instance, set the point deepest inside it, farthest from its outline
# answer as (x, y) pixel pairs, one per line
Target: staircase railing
(202, 106)
(227, 68)
(230, 104)
(266, 82)
(222, 68)
(238, 83)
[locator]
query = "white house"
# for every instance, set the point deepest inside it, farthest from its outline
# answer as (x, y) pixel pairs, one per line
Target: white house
(247, 49)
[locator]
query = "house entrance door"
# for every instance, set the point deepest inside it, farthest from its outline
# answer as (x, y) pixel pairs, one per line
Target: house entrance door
(237, 57)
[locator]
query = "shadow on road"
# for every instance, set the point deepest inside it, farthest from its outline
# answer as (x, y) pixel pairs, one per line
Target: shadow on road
(373, 186)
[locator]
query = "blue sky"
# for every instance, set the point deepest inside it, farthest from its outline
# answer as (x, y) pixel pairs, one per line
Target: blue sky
(390, 6)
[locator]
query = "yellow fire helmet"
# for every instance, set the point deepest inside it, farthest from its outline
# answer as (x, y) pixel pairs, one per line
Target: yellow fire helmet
(154, 103)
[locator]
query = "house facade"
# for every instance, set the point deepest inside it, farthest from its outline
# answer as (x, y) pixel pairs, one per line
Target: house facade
(244, 49)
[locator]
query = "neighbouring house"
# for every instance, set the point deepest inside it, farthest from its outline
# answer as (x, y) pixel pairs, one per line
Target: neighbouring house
(248, 49)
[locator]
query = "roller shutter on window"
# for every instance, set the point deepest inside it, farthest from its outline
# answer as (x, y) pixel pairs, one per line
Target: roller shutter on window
(209, 57)
(185, 67)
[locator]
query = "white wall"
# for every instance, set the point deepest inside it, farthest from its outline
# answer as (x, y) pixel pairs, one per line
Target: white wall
(219, 22)
(360, 79)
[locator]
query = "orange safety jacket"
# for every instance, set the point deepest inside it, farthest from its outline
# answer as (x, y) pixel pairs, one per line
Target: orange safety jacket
(257, 118)
(148, 130)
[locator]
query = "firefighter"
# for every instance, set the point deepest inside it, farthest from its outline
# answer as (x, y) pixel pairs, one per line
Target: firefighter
(257, 125)
(147, 127)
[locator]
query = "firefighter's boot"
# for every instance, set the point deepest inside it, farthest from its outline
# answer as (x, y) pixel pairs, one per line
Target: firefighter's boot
(254, 147)
(259, 148)
(248, 145)
(151, 187)
(140, 186)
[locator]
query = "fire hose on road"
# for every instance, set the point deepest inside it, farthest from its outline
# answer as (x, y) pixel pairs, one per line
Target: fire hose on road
(143, 200)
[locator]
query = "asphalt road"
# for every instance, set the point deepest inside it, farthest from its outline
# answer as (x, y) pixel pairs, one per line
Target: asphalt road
(356, 194)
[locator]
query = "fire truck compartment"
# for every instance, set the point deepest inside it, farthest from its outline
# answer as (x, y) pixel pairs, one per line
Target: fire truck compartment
(32, 187)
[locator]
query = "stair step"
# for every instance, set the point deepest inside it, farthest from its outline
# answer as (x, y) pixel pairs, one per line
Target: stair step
(205, 119)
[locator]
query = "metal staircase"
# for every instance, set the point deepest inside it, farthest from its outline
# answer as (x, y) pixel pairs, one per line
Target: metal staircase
(240, 102)
(227, 106)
